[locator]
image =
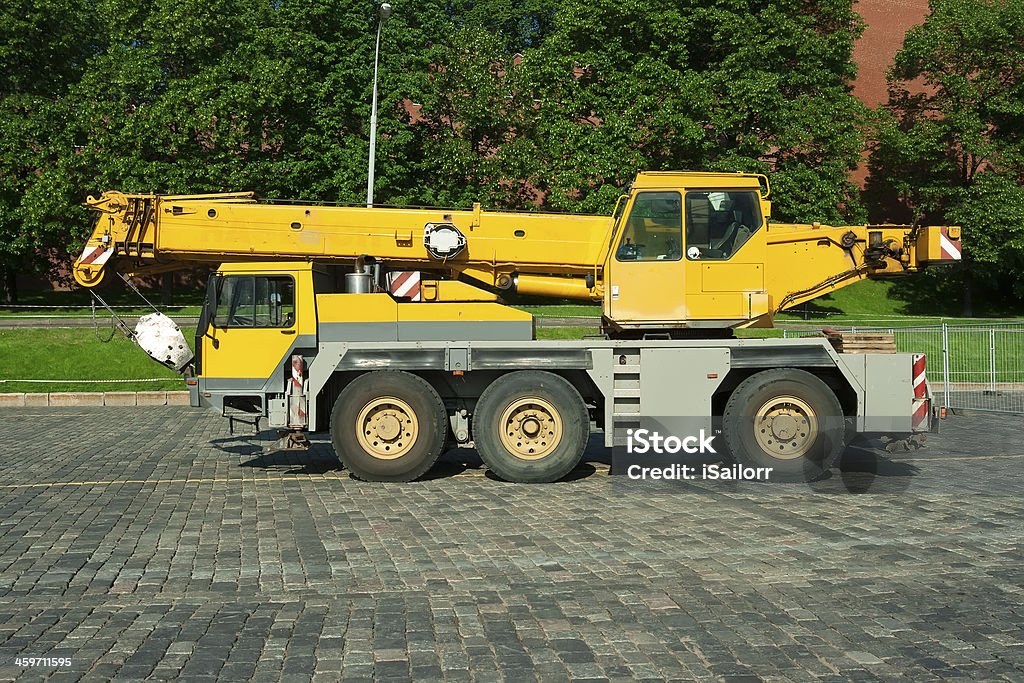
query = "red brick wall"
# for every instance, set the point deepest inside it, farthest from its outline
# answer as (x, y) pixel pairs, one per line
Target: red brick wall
(886, 21)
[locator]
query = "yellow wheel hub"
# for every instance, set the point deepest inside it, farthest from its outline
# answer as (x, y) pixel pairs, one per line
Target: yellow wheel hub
(387, 427)
(531, 428)
(785, 427)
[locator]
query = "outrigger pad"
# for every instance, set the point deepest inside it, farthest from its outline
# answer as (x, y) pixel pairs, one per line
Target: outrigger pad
(289, 441)
(163, 341)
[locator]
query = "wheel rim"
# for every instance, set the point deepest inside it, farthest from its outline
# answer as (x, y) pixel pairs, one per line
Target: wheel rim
(785, 427)
(531, 428)
(387, 427)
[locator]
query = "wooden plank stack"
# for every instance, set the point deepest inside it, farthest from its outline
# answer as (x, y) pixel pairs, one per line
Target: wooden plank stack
(861, 342)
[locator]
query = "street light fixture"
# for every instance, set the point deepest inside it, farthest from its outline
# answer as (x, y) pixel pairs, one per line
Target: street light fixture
(383, 12)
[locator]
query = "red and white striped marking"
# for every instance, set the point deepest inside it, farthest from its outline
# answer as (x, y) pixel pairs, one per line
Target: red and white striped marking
(919, 420)
(296, 404)
(920, 363)
(296, 374)
(405, 284)
(95, 256)
(950, 247)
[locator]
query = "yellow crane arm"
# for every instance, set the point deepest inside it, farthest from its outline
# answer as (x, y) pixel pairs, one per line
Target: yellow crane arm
(649, 264)
(807, 261)
(153, 233)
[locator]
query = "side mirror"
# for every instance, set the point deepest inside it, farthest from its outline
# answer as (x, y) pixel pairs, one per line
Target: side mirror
(212, 300)
(212, 293)
(214, 290)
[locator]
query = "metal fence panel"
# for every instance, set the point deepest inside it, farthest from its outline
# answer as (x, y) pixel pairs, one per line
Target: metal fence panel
(976, 366)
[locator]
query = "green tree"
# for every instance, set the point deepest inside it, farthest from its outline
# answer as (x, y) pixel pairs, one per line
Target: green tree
(951, 146)
(208, 95)
(459, 127)
(44, 46)
(735, 85)
(464, 136)
(560, 104)
(191, 96)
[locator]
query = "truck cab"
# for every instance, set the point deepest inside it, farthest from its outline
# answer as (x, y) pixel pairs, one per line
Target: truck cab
(690, 254)
(255, 317)
(258, 316)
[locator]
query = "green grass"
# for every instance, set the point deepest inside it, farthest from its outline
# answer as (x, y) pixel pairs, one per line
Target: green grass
(865, 299)
(868, 302)
(564, 310)
(76, 354)
(970, 359)
(759, 333)
(68, 312)
(122, 296)
(565, 332)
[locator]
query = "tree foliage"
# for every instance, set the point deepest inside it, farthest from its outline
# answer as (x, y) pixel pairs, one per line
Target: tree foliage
(44, 47)
(738, 85)
(564, 105)
(951, 144)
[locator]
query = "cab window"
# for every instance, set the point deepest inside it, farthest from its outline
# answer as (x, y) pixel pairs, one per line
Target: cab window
(255, 301)
(719, 223)
(654, 229)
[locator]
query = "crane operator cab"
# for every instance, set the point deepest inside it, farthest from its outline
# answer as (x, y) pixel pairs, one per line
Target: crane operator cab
(702, 251)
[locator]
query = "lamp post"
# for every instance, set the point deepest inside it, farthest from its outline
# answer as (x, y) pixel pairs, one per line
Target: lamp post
(383, 12)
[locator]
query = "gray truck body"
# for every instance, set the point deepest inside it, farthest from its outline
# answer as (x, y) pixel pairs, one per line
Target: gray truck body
(624, 381)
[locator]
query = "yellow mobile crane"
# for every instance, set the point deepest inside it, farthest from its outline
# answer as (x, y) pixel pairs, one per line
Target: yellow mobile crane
(385, 326)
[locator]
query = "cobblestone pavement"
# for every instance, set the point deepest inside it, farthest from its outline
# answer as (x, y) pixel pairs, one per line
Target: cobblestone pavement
(147, 543)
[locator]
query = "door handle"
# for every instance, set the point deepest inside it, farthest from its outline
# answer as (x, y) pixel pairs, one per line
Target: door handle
(287, 331)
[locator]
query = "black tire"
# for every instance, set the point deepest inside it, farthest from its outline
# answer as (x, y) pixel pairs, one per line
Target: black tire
(426, 440)
(513, 392)
(817, 451)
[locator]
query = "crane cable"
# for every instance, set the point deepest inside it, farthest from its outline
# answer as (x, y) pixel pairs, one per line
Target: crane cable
(116, 323)
(136, 290)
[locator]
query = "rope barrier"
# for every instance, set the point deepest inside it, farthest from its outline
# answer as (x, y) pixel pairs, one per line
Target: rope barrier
(55, 306)
(150, 379)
